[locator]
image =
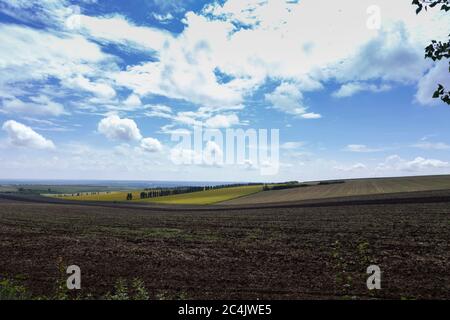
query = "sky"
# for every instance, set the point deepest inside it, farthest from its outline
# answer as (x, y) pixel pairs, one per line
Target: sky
(97, 89)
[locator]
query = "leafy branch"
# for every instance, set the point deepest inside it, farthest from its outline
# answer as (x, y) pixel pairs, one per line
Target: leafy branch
(425, 4)
(437, 50)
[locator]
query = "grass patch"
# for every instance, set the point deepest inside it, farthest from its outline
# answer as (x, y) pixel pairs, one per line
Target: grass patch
(10, 290)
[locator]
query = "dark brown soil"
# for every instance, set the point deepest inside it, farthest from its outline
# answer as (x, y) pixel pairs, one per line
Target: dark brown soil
(300, 250)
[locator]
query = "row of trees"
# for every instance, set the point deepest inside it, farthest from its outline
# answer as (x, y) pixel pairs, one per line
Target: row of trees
(154, 192)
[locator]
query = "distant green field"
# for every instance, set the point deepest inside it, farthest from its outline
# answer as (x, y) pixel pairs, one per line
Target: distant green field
(199, 197)
(8, 189)
(207, 197)
(56, 189)
(100, 196)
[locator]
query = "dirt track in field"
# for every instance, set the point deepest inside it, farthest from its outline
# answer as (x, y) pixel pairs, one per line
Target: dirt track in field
(300, 250)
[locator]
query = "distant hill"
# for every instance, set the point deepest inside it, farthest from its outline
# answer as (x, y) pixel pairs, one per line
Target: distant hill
(349, 188)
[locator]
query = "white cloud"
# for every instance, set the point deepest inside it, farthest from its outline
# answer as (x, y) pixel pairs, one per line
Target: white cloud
(29, 54)
(352, 88)
(119, 30)
(101, 90)
(311, 115)
(432, 145)
(115, 128)
(203, 117)
(185, 71)
(292, 145)
(288, 98)
(169, 129)
(392, 55)
(361, 148)
(151, 145)
(133, 101)
(186, 68)
(163, 18)
(419, 164)
(158, 111)
(21, 135)
(52, 12)
(222, 121)
(428, 84)
(31, 57)
(188, 118)
(38, 105)
(278, 45)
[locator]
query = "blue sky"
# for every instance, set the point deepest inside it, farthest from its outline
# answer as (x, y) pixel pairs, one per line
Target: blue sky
(94, 89)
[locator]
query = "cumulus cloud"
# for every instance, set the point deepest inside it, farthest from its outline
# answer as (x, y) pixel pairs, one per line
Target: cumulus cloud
(203, 117)
(179, 76)
(151, 145)
(222, 121)
(21, 135)
(289, 99)
(418, 164)
(132, 101)
(101, 90)
(422, 163)
(266, 39)
(390, 56)
(122, 129)
(115, 128)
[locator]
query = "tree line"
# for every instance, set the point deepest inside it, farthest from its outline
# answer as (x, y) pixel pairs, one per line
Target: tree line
(149, 193)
